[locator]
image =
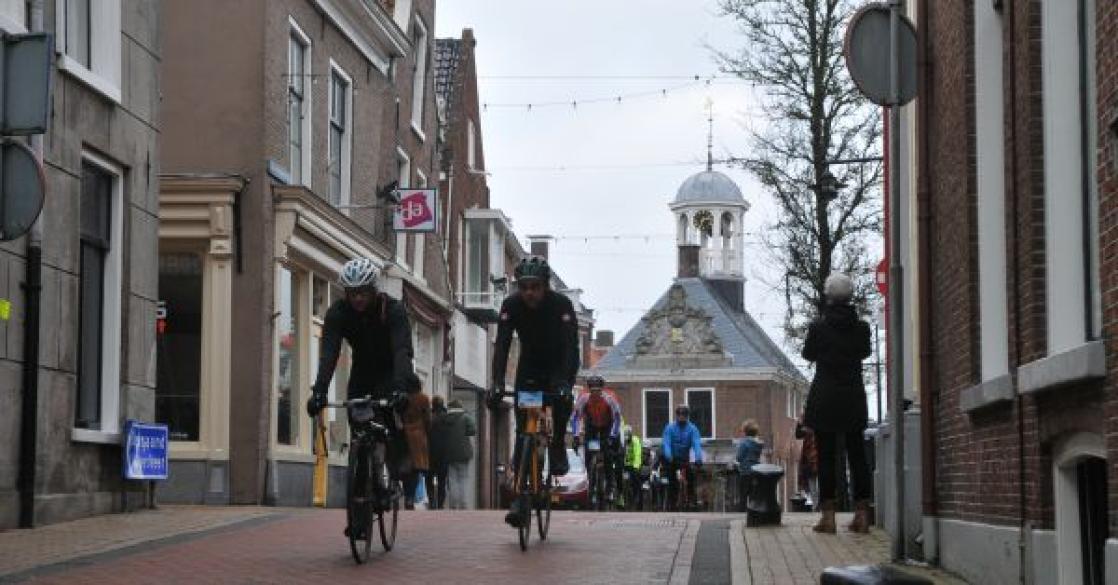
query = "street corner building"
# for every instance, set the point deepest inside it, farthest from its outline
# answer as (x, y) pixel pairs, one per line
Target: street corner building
(287, 125)
(1010, 170)
(698, 345)
(64, 406)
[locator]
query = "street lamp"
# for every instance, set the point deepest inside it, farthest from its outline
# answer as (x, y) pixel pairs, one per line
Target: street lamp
(828, 186)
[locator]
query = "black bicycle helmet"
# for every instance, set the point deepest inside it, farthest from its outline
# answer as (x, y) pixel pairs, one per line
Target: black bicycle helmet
(682, 409)
(595, 381)
(533, 267)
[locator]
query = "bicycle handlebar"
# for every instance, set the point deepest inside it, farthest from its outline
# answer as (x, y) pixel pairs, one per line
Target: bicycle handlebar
(369, 400)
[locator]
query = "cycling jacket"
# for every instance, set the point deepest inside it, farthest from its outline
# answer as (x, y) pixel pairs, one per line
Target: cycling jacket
(633, 453)
(679, 440)
(548, 338)
(600, 413)
(380, 339)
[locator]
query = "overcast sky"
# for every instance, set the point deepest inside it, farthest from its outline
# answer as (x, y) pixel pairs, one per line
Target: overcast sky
(618, 48)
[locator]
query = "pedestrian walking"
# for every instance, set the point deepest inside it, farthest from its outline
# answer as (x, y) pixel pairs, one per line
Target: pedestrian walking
(452, 450)
(416, 420)
(835, 412)
(748, 454)
(436, 477)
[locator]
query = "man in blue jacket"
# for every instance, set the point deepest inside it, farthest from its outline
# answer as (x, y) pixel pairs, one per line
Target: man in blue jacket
(681, 439)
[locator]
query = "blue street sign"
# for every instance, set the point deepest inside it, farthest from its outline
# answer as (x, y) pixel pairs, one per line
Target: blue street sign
(145, 450)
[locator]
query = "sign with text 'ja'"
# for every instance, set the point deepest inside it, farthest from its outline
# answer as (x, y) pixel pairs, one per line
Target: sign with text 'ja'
(145, 450)
(416, 211)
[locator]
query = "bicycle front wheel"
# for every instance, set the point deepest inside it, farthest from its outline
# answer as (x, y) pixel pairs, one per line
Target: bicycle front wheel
(359, 494)
(525, 530)
(543, 507)
(388, 519)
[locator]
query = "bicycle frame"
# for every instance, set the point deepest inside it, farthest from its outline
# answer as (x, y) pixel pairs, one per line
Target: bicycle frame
(537, 432)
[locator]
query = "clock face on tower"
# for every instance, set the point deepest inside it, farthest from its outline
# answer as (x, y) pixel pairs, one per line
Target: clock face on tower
(704, 222)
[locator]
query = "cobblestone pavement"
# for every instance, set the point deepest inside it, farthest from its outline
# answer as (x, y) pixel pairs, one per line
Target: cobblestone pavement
(273, 545)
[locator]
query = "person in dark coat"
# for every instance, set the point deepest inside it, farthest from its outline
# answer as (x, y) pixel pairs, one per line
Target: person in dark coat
(836, 412)
(436, 479)
(451, 452)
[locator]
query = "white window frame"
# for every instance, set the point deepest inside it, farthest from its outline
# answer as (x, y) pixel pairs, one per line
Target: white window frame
(1064, 188)
(403, 162)
(419, 78)
(296, 32)
(105, 54)
(13, 16)
(347, 137)
(111, 310)
(1068, 454)
(713, 408)
(471, 145)
(301, 283)
(990, 155)
(644, 411)
(420, 240)
(401, 12)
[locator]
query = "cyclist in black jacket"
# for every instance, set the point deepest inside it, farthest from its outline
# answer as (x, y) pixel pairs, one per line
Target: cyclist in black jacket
(547, 327)
(377, 330)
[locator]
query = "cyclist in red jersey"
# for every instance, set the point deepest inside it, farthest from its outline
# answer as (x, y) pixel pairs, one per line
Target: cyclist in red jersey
(599, 414)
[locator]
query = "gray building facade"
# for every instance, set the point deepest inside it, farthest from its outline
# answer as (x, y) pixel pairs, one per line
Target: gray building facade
(96, 360)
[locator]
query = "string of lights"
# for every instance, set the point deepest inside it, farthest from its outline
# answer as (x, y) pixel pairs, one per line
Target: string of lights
(612, 167)
(610, 77)
(616, 98)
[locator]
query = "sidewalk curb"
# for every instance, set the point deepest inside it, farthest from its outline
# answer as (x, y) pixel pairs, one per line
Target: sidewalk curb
(681, 567)
(739, 555)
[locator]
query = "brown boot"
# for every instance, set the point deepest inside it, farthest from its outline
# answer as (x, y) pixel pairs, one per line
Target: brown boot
(826, 523)
(861, 521)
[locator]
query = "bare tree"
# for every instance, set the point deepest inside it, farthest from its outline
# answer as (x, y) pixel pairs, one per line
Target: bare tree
(793, 53)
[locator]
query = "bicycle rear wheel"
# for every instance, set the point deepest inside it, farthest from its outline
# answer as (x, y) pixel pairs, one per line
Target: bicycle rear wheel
(388, 519)
(359, 494)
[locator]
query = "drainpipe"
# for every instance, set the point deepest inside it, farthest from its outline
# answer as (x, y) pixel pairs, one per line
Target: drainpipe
(1010, 9)
(924, 259)
(32, 286)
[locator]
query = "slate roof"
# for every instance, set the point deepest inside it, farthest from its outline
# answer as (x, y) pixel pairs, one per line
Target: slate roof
(448, 53)
(747, 343)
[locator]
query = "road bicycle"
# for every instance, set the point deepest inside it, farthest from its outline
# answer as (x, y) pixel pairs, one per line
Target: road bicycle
(532, 486)
(682, 500)
(600, 468)
(372, 488)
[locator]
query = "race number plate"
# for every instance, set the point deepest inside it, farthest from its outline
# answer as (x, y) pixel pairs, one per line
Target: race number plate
(529, 399)
(594, 445)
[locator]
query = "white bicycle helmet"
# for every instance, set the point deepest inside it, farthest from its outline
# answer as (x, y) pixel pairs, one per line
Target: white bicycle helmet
(359, 273)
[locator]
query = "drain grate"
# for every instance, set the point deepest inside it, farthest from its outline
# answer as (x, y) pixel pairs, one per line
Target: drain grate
(711, 562)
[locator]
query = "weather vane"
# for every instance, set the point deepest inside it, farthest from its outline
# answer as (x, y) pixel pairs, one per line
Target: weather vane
(710, 133)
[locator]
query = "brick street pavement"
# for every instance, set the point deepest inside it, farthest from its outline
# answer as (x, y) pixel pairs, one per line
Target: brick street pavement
(273, 545)
(795, 554)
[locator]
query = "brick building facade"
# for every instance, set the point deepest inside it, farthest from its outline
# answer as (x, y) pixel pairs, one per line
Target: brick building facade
(287, 124)
(1015, 202)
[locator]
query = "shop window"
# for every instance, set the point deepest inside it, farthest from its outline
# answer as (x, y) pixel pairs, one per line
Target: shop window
(179, 345)
(287, 379)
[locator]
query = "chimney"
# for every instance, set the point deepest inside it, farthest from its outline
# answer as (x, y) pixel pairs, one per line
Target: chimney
(689, 260)
(604, 339)
(539, 245)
